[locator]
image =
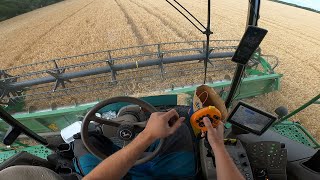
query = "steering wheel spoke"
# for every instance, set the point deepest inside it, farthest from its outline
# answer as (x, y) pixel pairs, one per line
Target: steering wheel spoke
(139, 126)
(125, 143)
(104, 121)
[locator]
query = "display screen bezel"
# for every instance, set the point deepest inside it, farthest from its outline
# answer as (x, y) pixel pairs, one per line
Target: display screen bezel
(272, 117)
(251, 32)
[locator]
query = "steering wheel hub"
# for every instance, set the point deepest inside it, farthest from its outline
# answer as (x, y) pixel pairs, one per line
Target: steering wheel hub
(126, 132)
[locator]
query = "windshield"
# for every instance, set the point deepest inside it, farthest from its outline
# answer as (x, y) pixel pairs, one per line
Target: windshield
(76, 52)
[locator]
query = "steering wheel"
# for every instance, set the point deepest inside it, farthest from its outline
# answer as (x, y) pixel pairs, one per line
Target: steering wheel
(120, 121)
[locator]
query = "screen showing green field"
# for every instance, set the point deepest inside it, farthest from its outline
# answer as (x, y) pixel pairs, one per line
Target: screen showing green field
(250, 118)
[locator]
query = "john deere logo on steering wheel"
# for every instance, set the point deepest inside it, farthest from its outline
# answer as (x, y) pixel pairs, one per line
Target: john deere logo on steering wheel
(125, 134)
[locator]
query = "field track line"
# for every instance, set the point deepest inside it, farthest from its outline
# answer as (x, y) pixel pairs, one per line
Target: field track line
(279, 25)
(296, 57)
(293, 31)
(133, 26)
(51, 29)
(173, 19)
(316, 68)
(162, 20)
(288, 52)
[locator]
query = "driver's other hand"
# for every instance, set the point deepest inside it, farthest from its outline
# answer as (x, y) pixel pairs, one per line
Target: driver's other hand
(215, 135)
(158, 124)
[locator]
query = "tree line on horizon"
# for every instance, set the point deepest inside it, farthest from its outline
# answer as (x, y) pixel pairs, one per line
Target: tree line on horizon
(12, 8)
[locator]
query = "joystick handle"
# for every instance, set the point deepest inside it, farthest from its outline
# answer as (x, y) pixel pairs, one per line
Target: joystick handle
(211, 112)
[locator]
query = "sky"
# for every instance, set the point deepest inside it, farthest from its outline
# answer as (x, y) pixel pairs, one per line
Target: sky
(314, 4)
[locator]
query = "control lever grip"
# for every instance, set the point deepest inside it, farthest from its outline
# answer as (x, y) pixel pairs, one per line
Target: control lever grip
(206, 142)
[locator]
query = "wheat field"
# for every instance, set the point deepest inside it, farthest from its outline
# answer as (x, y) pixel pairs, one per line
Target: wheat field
(74, 27)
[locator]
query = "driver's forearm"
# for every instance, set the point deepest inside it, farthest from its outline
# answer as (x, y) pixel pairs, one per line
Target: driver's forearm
(118, 164)
(226, 169)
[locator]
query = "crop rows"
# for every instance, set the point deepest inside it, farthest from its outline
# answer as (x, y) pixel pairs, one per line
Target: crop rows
(76, 27)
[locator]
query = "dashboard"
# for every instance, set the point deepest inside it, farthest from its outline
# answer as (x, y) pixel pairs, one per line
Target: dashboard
(260, 153)
(260, 160)
(256, 160)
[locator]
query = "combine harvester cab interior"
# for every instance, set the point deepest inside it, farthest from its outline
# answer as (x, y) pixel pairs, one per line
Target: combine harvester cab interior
(44, 104)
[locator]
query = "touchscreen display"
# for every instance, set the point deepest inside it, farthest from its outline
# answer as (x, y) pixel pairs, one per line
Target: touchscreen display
(251, 119)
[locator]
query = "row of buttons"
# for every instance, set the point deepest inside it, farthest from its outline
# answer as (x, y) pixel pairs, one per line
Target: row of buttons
(239, 156)
(200, 120)
(244, 166)
(267, 155)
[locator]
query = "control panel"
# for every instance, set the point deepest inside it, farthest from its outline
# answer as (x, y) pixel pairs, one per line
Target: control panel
(236, 152)
(240, 158)
(268, 160)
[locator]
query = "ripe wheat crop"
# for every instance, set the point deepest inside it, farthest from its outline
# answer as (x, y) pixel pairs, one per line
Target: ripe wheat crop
(74, 27)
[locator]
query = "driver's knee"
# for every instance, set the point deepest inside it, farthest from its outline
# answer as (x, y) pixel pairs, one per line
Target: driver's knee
(180, 140)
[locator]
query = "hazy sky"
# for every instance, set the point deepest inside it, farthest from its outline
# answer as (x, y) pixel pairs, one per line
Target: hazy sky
(314, 4)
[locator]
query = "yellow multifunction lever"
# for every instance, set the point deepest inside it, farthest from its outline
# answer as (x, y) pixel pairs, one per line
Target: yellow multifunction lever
(230, 141)
(211, 112)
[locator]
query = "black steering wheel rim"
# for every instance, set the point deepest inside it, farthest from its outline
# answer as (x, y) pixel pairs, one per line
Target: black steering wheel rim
(87, 119)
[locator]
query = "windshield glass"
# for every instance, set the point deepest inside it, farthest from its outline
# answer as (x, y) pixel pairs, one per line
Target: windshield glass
(72, 53)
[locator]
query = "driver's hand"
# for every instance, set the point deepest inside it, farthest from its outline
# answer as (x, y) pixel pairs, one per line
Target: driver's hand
(158, 124)
(215, 135)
